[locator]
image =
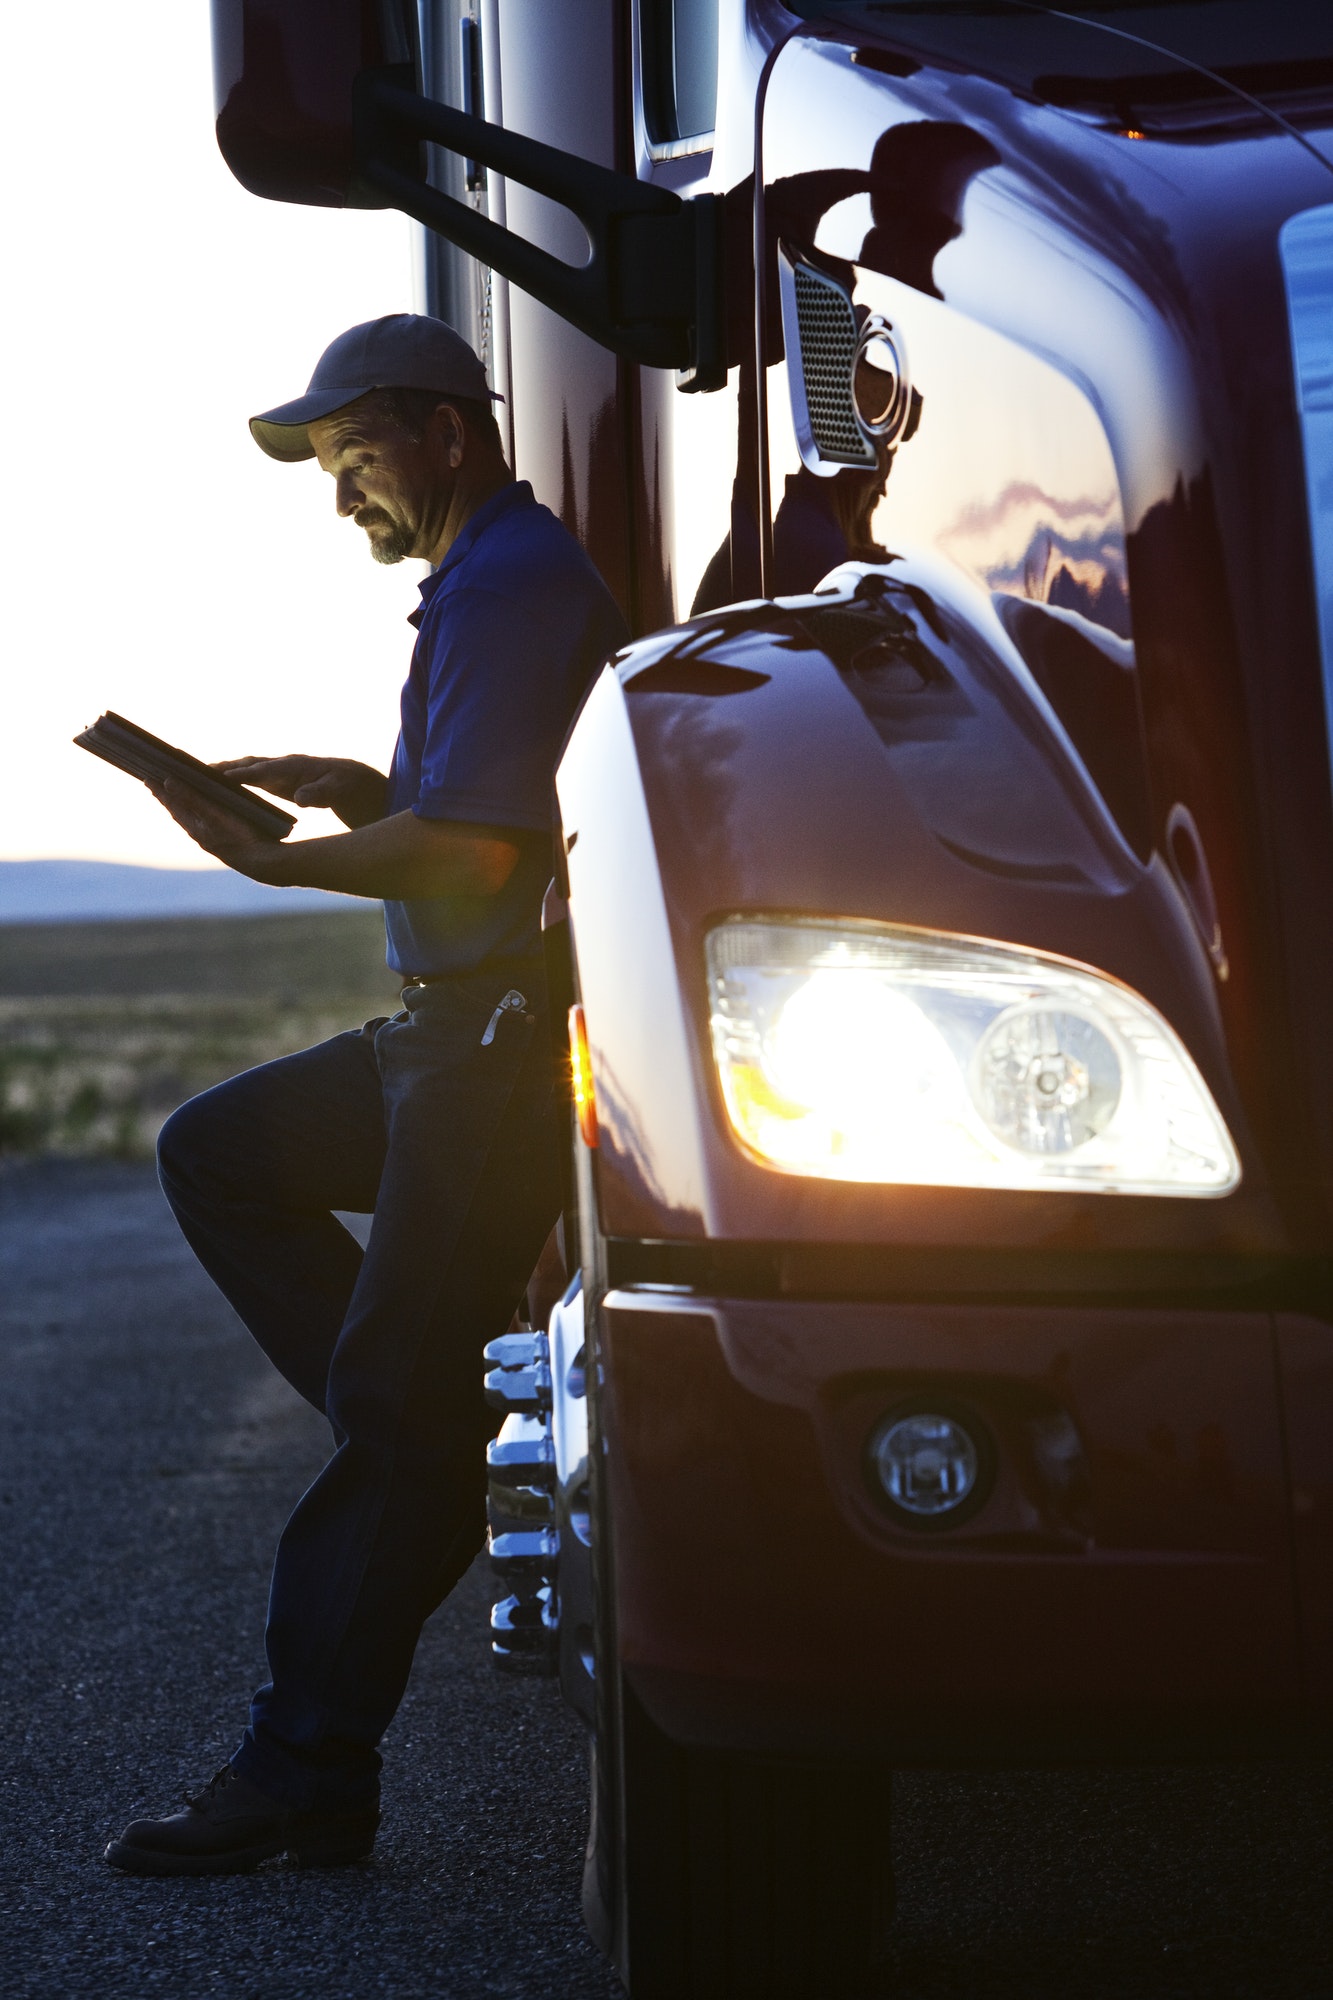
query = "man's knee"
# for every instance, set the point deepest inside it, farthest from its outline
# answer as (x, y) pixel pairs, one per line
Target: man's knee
(184, 1145)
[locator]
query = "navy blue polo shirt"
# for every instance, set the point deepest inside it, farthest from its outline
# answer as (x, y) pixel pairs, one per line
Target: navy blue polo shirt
(511, 628)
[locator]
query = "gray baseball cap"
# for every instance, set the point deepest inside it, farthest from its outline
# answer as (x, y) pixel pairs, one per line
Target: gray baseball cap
(400, 351)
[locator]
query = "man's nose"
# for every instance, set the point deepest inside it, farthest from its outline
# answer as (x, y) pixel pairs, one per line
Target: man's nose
(350, 496)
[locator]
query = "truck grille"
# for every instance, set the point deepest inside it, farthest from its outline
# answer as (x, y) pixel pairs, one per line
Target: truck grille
(828, 335)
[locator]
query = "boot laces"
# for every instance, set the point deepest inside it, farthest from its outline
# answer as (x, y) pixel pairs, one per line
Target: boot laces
(217, 1784)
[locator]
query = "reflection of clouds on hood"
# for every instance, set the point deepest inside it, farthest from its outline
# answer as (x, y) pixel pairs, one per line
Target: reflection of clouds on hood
(1065, 552)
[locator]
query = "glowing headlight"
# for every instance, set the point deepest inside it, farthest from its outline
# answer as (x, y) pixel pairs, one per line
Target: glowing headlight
(862, 1052)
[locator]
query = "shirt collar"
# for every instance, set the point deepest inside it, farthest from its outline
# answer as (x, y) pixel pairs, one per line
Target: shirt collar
(517, 493)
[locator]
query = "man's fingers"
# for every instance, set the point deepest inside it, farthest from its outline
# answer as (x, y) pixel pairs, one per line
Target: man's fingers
(317, 791)
(254, 767)
(280, 775)
(186, 819)
(216, 830)
(197, 815)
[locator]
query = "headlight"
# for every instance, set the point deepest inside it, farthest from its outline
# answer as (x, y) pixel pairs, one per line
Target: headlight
(861, 1052)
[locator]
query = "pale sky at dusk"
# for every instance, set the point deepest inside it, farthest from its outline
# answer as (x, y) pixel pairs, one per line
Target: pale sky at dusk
(155, 561)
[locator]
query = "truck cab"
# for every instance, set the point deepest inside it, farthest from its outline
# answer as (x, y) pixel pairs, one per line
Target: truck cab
(941, 891)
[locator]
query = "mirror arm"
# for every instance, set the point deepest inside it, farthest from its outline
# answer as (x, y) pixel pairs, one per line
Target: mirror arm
(653, 288)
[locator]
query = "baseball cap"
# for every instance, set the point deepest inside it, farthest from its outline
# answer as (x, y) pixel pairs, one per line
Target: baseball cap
(400, 351)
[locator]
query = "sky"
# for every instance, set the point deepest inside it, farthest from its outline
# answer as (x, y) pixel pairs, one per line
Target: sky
(152, 559)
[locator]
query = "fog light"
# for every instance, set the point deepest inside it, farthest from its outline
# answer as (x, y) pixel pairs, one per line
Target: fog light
(929, 1466)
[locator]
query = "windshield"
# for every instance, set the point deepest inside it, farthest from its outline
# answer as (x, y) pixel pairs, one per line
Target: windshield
(1174, 60)
(1214, 32)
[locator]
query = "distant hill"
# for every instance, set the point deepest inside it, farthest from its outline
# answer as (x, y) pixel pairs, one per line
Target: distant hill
(60, 892)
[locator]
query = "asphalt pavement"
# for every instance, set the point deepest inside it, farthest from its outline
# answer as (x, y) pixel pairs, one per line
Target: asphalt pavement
(147, 1460)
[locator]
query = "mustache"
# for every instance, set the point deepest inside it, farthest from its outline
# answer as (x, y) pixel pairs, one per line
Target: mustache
(375, 517)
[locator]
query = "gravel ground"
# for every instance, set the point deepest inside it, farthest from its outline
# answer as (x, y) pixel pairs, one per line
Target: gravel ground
(147, 1459)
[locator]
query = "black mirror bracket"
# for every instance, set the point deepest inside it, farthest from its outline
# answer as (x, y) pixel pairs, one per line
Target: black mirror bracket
(653, 288)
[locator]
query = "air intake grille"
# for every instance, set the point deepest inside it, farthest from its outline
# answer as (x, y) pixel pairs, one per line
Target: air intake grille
(828, 333)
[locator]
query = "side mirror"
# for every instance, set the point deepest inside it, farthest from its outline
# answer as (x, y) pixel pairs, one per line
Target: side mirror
(318, 102)
(283, 78)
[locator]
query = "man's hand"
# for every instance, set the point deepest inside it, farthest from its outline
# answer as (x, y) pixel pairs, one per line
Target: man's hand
(354, 791)
(218, 832)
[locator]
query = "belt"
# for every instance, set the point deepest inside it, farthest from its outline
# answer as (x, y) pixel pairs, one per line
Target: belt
(509, 972)
(445, 978)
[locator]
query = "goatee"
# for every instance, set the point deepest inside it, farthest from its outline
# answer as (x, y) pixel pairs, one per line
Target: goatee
(390, 546)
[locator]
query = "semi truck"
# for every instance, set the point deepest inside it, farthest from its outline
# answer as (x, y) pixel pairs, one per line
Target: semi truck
(942, 890)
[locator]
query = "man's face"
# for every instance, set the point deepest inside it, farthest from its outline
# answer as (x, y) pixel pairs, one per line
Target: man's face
(396, 487)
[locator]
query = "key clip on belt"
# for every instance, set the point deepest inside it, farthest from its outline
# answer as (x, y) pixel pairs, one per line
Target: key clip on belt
(513, 1003)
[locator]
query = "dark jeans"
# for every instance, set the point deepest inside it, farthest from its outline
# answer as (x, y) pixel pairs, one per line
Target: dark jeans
(455, 1147)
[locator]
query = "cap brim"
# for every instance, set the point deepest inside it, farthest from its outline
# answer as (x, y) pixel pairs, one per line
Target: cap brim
(284, 434)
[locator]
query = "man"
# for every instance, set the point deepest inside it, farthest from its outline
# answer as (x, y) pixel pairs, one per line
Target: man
(443, 1120)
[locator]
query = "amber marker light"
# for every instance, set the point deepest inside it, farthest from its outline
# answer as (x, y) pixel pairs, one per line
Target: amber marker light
(585, 1098)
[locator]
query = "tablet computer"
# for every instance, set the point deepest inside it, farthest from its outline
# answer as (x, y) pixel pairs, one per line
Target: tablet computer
(148, 758)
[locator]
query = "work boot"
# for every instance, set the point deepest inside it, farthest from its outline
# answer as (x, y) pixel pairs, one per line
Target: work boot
(232, 1826)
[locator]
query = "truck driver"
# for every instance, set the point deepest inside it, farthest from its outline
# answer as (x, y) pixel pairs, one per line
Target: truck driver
(442, 1120)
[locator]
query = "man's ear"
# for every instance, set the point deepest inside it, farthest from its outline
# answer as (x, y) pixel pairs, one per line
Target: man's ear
(449, 434)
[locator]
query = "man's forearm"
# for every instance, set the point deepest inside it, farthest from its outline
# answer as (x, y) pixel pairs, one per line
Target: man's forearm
(396, 858)
(402, 857)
